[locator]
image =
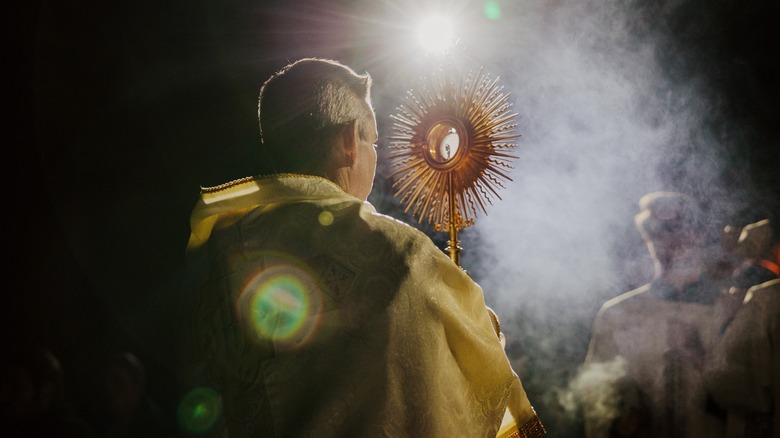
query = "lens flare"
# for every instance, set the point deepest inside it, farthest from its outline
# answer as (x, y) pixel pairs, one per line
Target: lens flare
(282, 304)
(199, 410)
(492, 10)
(280, 307)
(436, 34)
(325, 218)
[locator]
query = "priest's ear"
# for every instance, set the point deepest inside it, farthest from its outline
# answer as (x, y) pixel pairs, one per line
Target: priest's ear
(346, 144)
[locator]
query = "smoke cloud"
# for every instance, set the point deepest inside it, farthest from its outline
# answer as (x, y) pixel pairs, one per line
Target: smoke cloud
(599, 386)
(614, 101)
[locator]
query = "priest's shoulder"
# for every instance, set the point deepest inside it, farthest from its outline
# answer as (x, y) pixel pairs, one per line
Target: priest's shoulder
(630, 299)
(391, 224)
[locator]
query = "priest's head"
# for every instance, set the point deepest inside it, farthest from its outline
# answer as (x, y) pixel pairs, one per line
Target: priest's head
(316, 118)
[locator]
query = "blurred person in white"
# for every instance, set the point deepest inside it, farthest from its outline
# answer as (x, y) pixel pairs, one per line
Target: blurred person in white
(653, 340)
(743, 367)
(314, 315)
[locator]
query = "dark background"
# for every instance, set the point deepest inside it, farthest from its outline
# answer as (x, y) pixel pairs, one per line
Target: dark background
(117, 112)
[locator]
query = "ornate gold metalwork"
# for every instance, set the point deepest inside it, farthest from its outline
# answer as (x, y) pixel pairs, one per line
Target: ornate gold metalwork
(450, 149)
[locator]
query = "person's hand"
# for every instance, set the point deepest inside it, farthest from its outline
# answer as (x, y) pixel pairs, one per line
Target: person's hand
(497, 326)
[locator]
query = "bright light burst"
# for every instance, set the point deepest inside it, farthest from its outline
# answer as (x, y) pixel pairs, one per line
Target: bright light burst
(428, 165)
(436, 34)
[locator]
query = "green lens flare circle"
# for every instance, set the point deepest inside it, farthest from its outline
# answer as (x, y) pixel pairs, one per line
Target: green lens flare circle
(492, 10)
(280, 307)
(199, 410)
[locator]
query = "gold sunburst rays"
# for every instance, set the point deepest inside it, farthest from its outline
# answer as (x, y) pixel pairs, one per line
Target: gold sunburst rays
(451, 148)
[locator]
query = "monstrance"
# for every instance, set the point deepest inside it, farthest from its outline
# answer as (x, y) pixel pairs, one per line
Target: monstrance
(451, 149)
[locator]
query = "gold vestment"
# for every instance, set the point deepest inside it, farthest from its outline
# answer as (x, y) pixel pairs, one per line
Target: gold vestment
(314, 315)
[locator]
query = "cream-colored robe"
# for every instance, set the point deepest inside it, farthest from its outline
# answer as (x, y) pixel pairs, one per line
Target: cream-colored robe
(315, 316)
(743, 373)
(631, 364)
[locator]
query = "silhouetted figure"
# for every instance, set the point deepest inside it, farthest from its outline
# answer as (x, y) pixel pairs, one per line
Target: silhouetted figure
(743, 368)
(759, 246)
(33, 399)
(653, 339)
(119, 403)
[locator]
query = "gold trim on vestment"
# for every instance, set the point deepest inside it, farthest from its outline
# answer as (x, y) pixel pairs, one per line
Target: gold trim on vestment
(533, 428)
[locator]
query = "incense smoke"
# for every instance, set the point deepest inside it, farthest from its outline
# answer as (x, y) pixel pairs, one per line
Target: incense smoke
(612, 106)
